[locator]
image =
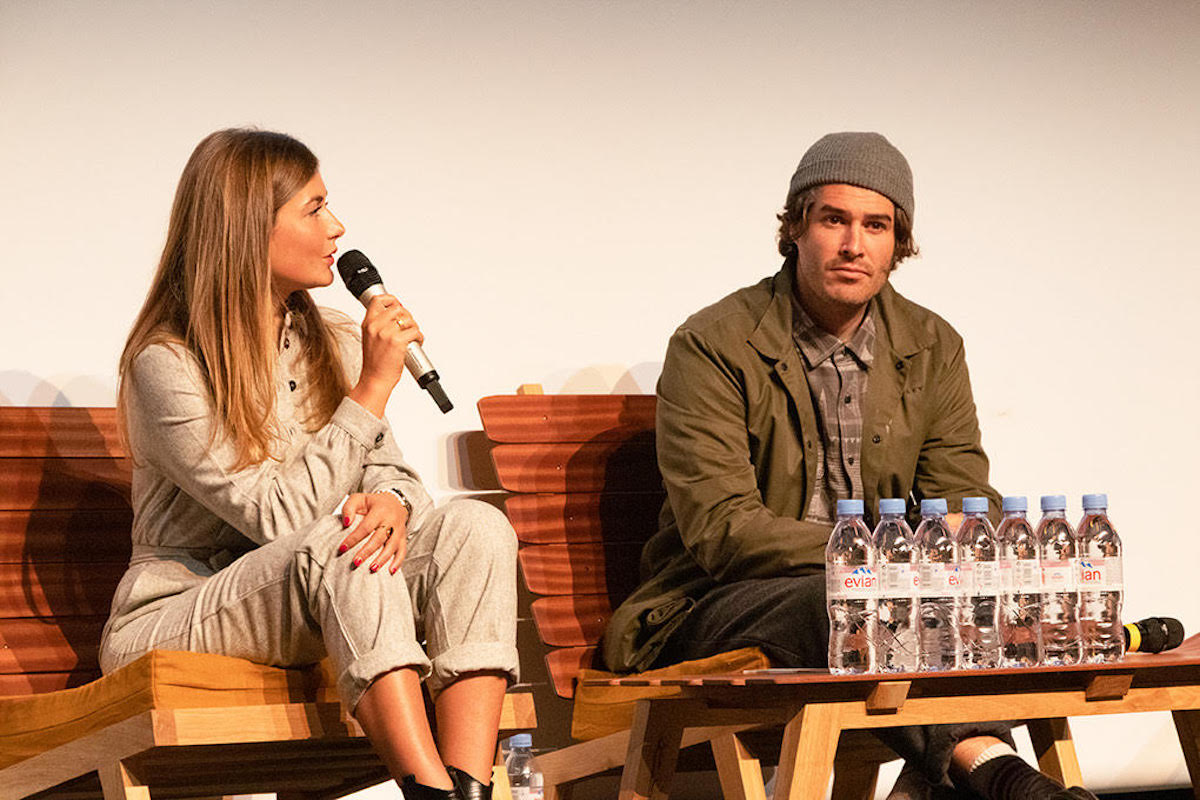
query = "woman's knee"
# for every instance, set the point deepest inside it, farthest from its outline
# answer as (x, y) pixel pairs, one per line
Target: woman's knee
(476, 527)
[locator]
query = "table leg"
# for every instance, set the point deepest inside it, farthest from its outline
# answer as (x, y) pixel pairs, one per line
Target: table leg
(1187, 726)
(740, 773)
(1055, 750)
(810, 742)
(654, 743)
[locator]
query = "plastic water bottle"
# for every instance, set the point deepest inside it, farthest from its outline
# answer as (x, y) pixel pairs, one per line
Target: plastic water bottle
(851, 588)
(896, 644)
(939, 580)
(979, 565)
(523, 774)
(1060, 598)
(1101, 584)
(1020, 587)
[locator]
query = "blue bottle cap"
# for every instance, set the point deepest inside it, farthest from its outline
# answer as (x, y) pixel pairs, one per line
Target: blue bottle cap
(975, 505)
(891, 505)
(846, 507)
(1014, 503)
(1095, 502)
(936, 505)
(1054, 502)
(521, 740)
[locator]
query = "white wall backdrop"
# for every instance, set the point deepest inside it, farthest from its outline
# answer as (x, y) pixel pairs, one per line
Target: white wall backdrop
(553, 187)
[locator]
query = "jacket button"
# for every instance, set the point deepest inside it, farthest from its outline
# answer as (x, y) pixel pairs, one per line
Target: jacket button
(783, 366)
(899, 365)
(876, 439)
(292, 385)
(379, 440)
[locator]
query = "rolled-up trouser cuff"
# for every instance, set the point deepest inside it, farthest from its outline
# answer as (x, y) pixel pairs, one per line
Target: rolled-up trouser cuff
(451, 664)
(364, 670)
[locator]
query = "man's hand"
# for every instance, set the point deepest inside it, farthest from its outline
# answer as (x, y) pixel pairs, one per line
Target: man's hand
(384, 526)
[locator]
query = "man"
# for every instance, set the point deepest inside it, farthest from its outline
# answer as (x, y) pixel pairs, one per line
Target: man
(818, 383)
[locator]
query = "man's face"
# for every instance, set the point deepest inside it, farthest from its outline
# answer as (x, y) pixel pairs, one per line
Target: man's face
(845, 253)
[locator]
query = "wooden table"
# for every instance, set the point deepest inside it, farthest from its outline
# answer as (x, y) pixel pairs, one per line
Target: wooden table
(814, 707)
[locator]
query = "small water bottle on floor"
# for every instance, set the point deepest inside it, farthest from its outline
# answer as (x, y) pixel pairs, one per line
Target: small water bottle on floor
(851, 588)
(1020, 587)
(523, 774)
(940, 583)
(1060, 597)
(1101, 587)
(896, 645)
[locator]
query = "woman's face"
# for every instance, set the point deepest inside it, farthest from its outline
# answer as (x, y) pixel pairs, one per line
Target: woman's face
(303, 241)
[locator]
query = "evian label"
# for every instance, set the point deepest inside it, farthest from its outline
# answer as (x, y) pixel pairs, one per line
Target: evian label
(941, 580)
(1099, 574)
(846, 582)
(987, 577)
(1058, 576)
(900, 579)
(1027, 576)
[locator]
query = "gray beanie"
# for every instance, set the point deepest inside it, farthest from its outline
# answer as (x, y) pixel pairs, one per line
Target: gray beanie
(859, 159)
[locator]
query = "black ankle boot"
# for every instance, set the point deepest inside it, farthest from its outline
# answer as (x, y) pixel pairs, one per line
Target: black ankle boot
(419, 791)
(469, 788)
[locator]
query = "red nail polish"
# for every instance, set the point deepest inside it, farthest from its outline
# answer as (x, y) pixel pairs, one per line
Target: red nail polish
(345, 522)
(393, 570)
(342, 549)
(374, 568)
(357, 562)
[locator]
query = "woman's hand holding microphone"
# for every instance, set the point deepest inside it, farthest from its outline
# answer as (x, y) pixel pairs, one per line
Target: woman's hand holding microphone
(387, 330)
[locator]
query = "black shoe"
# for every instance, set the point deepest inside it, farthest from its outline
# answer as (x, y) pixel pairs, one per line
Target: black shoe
(469, 788)
(419, 791)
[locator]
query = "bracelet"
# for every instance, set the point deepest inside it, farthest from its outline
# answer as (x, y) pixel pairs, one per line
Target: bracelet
(403, 500)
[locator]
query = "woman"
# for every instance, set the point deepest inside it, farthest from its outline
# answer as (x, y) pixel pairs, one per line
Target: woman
(250, 414)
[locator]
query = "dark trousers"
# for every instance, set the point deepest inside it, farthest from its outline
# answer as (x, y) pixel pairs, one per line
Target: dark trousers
(787, 620)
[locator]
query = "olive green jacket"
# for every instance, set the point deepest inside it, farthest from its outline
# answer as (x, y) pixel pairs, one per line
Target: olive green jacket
(737, 444)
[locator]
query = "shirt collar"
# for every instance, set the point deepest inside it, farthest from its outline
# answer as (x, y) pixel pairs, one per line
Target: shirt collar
(817, 344)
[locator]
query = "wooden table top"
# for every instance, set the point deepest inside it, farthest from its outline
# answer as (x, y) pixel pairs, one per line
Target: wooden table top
(1179, 663)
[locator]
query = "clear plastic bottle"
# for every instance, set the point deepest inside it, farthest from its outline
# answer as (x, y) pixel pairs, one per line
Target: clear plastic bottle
(1020, 587)
(1060, 597)
(523, 774)
(938, 640)
(851, 588)
(896, 644)
(1100, 581)
(979, 565)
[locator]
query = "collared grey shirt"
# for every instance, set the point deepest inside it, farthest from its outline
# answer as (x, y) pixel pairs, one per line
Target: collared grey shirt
(193, 513)
(837, 380)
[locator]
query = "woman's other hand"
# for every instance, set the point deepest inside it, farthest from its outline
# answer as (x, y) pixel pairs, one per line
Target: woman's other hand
(384, 526)
(387, 330)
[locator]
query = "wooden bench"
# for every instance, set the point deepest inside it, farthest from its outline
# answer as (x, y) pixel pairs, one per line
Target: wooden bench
(170, 724)
(584, 495)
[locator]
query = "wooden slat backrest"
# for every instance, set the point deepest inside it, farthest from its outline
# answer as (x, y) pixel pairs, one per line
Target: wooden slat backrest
(64, 542)
(585, 495)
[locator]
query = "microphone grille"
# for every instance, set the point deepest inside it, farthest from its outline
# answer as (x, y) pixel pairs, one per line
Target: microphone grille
(357, 272)
(1174, 632)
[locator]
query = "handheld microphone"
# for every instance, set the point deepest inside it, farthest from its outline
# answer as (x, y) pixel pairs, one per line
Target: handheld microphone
(1153, 635)
(363, 281)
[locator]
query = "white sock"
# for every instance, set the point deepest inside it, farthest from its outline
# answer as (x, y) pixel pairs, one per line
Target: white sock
(993, 751)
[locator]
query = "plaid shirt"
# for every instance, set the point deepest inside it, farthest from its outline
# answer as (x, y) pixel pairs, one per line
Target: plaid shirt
(837, 380)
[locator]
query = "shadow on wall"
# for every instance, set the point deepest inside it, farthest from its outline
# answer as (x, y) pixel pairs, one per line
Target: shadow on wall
(468, 454)
(20, 388)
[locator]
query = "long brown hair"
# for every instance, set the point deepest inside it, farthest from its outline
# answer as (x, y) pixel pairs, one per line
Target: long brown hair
(212, 289)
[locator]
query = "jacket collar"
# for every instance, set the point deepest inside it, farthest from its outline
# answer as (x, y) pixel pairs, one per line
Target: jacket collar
(897, 329)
